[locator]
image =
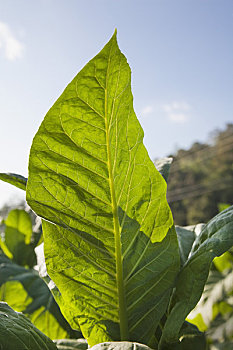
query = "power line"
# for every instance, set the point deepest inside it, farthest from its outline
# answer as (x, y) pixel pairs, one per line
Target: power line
(190, 153)
(212, 152)
(187, 191)
(197, 156)
(194, 187)
(199, 192)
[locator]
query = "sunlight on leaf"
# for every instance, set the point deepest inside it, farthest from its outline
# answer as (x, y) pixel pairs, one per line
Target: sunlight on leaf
(113, 252)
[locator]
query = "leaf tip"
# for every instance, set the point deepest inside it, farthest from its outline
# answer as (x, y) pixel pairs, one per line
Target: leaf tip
(114, 36)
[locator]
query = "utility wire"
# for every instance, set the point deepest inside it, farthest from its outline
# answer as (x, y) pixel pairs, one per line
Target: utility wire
(190, 153)
(199, 189)
(197, 194)
(211, 154)
(198, 156)
(173, 194)
(194, 187)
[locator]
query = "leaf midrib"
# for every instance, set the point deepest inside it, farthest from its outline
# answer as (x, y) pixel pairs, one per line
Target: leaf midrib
(124, 334)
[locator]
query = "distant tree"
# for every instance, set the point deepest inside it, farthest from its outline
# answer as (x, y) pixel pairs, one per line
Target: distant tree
(201, 178)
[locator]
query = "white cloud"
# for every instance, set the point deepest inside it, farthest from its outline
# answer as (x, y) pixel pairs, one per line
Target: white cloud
(177, 112)
(11, 46)
(178, 117)
(147, 110)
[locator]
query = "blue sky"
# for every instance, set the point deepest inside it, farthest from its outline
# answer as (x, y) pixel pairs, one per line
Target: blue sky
(180, 53)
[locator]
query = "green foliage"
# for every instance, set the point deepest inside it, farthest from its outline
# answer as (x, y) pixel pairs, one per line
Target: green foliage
(18, 238)
(224, 262)
(215, 238)
(14, 179)
(17, 332)
(90, 174)
(201, 179)
(223, 206)
(215, 306)
(186, 239)
(20, 286)
(191, 338)
(25, 291)
(110, 243)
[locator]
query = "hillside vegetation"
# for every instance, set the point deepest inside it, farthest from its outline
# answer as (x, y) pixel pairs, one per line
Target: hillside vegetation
(201, 179)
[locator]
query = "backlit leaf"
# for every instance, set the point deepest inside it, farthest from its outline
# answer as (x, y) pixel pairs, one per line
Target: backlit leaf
(113, 252)
(17, 237)
(26, 292)
(15, 180)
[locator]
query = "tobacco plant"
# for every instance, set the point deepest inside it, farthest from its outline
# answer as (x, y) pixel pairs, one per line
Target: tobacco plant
(20, 284)
(110, 243)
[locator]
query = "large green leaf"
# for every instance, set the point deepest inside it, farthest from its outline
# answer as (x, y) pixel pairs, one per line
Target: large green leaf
(112, 253)
(15, 180)
(215, 238)
(17, 332)
(25, 291)
(17, 238)
(65, 309)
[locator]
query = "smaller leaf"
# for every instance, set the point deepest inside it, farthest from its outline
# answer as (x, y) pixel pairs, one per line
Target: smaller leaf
(195, 228)
(120, 346)
(186, 239)
(224, 308)
(223, 206)
(5, 250)
(20, 221)
(224, 262)
(18, 233)
(15, 180)
(188, 329)
(17, 332)
(198, 321)
(210, 304)
(215, 238)
(163, 166)
(24, 290)
(190, 338)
